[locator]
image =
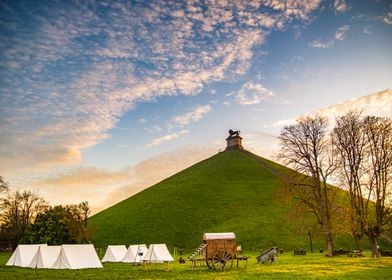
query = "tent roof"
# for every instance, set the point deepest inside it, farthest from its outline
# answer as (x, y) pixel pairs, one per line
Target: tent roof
(47, 256)
(77, 256)
(114, 253)
(25, 255)
(158, 253)
(135, 253)
(221, 235)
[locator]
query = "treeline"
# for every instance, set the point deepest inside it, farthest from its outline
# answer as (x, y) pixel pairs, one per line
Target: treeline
(355, 155)
(25, 217)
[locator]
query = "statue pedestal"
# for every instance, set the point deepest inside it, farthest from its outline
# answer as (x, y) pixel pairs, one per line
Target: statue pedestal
(234, 142)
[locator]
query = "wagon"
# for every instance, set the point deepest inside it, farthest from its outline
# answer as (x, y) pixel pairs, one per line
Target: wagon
(220, 250)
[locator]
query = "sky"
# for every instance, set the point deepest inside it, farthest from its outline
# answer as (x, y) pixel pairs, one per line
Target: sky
(101, 99)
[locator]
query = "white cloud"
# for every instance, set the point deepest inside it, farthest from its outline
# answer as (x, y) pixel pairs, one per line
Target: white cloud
(167, 138)
(340, 34)
(388, 17)
(105, 187)
(192, 116)
(377, 104)
(252, 93)
(319, 44)
(340, 6)
(138, 54)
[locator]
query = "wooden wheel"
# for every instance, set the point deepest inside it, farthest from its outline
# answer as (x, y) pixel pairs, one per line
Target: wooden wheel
(222, 260)
(209, 262)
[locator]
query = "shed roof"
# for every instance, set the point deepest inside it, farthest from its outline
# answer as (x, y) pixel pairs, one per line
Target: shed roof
(220, 235)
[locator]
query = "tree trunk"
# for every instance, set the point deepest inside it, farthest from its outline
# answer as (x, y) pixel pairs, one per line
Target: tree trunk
(329, 240)
(374, 246)
(357, 242)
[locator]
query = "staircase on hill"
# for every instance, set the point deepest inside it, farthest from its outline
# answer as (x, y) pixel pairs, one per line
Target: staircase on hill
(267, 166)
(197, 251)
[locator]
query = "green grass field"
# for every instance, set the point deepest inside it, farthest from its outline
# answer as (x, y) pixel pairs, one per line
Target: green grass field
(311, 266)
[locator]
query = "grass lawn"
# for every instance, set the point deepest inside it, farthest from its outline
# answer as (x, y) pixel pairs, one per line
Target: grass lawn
(311, 266)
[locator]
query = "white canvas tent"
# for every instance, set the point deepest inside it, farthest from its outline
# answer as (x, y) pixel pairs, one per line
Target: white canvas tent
(158, 253)
(135, 253)
(114, 253)
(25, 255)
(47, 256)
(57, 257)
(77, 257)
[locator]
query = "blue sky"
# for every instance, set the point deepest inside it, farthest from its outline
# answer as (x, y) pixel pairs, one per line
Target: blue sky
(103, 98)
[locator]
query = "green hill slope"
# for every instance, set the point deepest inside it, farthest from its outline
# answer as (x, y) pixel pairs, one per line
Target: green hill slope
(231, 191)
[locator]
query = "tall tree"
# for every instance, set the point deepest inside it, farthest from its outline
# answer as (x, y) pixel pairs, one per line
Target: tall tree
(364, 150)
(307, 148)
(378, 133)
(19, 210)
(77, 221)
(60, 224)
(49, 227)
(350, 149)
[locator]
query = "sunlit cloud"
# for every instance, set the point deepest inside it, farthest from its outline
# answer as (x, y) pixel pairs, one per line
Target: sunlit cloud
(377, 104)
(252, 93)
(192, 116)
(104, 77)
(104, 188)
(167, 138)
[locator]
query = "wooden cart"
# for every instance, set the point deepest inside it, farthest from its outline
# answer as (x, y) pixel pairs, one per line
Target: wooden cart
(220, 250)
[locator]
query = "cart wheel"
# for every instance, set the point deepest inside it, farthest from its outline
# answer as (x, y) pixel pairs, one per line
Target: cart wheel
(210, 262)
(222, 260)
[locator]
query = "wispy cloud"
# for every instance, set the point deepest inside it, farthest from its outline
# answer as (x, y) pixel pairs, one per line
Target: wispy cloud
(340, 6)
(319, 44)
(167, 138)
(388, 17)
(192, 116)
(377, 104)
(252, 93)
(367, 29)
(85, 64)
(340, 34)
(114, 186)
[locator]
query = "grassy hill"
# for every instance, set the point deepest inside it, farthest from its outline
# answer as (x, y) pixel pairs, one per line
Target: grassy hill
(231, 191)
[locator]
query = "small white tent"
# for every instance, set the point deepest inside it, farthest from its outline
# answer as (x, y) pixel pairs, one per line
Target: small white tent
(25, 255)
(135, 253)
(77, 257)
(114, 253)
(47, 256)
(158, 253)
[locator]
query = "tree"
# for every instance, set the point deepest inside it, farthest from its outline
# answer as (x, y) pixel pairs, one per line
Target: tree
(60, 224)
(49, 227)
(363, 146)
(19, 210)
(350, 149)
(378, 133)
(4, 187)
(77, 220)
(307, 148)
